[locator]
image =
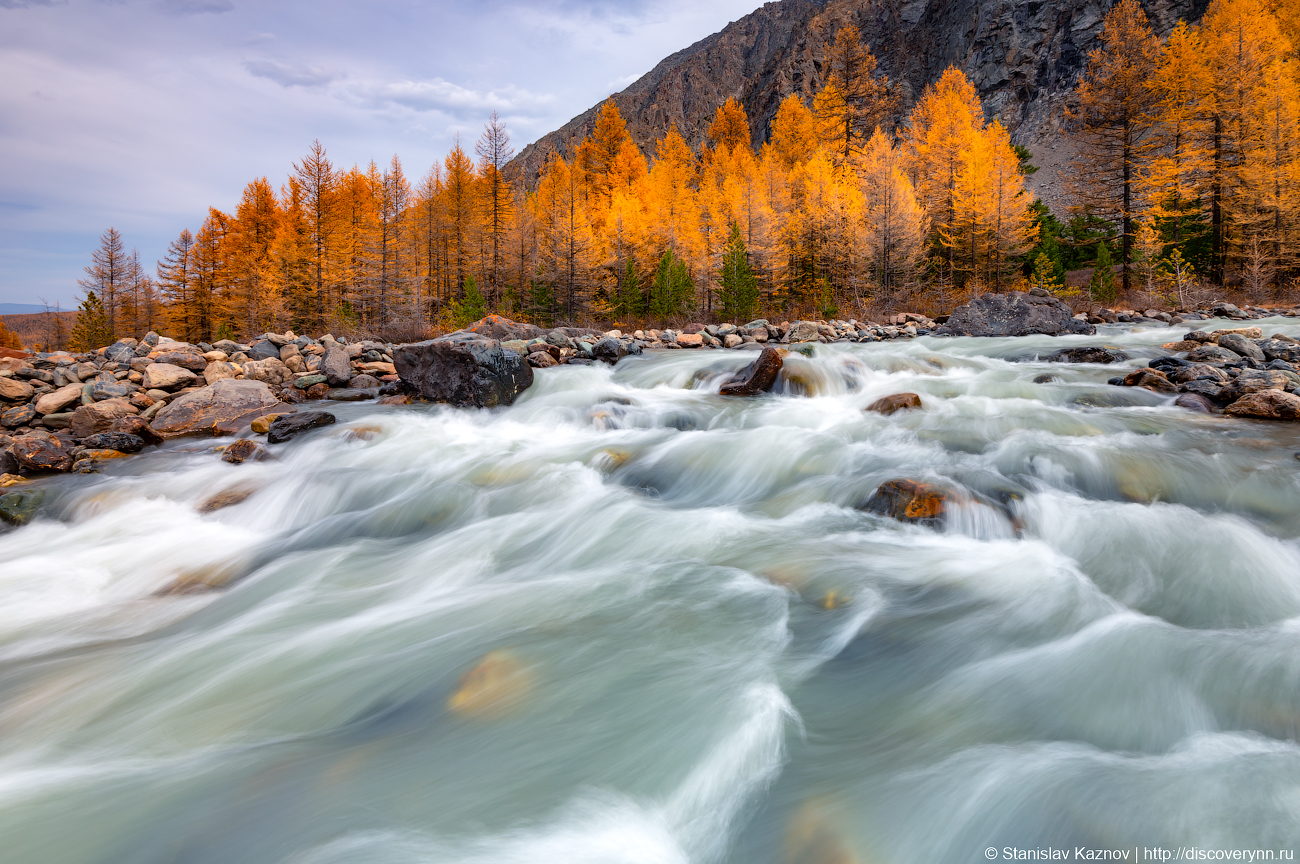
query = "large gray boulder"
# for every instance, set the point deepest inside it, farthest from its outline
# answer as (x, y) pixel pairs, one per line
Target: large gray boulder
(335, 366)
(502, 328)
(225, 403)
(463, 370)
(1014, 314)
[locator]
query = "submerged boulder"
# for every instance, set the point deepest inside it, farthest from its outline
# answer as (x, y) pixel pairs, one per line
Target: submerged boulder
(1014, 314)
(225, 402)
(908, 501)
(757, 377)
(895, 402)
(463, 370)
(1090, 354)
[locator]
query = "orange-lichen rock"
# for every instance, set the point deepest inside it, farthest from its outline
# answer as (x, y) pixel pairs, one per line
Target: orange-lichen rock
(908, 501)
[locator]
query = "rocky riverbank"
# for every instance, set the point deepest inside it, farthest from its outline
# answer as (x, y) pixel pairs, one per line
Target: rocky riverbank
(64, 412)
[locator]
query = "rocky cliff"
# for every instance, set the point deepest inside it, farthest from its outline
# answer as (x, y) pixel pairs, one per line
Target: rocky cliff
(1023, 57)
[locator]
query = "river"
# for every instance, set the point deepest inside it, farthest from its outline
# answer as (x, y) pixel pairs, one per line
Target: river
(627, 620)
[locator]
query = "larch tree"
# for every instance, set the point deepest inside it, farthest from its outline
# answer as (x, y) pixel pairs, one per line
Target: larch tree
(945, 125)
(254, 302)
(494, 152)
(1114, 117)
(176, 281)
(894, 225)
(858, 100)
(460, 193)
(394, 199)
(317, 181)
(107, 276)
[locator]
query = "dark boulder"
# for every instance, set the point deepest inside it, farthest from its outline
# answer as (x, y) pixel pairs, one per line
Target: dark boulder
(895, 402)
(1089, 354)
(1280, 349)
(464, 371)
(119, 441)
(120, 352)
(1196, 402)
(1208, 353)
(263, 349)
(1207, 387)
(289, 425)
(101, 390)
(18, 507)
(1255, 380)
(1014, 314)
(184, 359)
(36, 453)
(21, 415)
(757, 377)
(350, 394)
(609, 350)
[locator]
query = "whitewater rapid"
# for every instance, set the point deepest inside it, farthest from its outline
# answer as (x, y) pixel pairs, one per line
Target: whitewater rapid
(710, 652)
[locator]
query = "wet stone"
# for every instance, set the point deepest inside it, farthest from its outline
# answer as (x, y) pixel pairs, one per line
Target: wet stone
(291, 425)
(1091, 354)
(244, 450)
(18, 507)
(896, 402)
(758, 377)
(21, 415)
(118, 441)
(41, 454)
(908, 501)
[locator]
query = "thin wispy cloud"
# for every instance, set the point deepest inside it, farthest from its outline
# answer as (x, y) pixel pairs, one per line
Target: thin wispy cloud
(195, 7)
(291, 74)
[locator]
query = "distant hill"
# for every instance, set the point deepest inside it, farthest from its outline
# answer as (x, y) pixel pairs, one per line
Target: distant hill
(35, 329)
(20, 308)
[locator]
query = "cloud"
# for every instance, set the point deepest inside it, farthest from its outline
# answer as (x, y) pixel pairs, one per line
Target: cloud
(291, 74)
(437, 94)
(23, 4)
(194, 7)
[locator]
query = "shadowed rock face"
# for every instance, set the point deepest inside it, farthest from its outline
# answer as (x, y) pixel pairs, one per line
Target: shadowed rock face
(1023, 58)
(1014, 314)
(462, 370)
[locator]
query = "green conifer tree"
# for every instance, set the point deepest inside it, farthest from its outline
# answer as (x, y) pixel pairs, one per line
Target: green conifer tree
(738, 294)
(470, 309)
(1102, 286)
(629, 302)
(92, 329)
(672, 289)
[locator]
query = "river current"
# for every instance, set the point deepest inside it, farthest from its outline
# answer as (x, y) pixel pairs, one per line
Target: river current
(628, 620)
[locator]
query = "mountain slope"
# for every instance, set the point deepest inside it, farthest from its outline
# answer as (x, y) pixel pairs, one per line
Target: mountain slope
(1023, 57)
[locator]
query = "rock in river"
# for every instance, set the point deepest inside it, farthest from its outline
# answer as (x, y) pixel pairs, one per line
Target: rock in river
(119, 441)
(289, 425)
(463, 370)
(908, 501)
(37, 453)
(895, 402)
(757, 377)
(226, 401)
(1090, 354)
(1266, 405)
(1014, 314)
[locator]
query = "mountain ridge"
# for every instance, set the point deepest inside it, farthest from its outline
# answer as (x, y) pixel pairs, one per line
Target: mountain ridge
(1023, 58)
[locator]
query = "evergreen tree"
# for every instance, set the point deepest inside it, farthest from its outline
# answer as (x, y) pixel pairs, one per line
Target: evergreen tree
(92, 329)
(672, 289)
(1044, 277)
(629, 302)
(739, 289)
(472, 308)
(1102, 285)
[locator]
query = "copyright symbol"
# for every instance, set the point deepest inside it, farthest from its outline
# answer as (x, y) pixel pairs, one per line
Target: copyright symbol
(990, 853)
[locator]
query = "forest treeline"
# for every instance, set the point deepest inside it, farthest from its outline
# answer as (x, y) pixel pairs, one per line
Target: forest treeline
(1187, 170)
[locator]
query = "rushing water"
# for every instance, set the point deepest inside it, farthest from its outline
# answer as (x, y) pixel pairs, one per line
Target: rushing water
(698, 647)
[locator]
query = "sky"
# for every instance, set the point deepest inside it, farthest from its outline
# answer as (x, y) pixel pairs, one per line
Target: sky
(140, 114)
